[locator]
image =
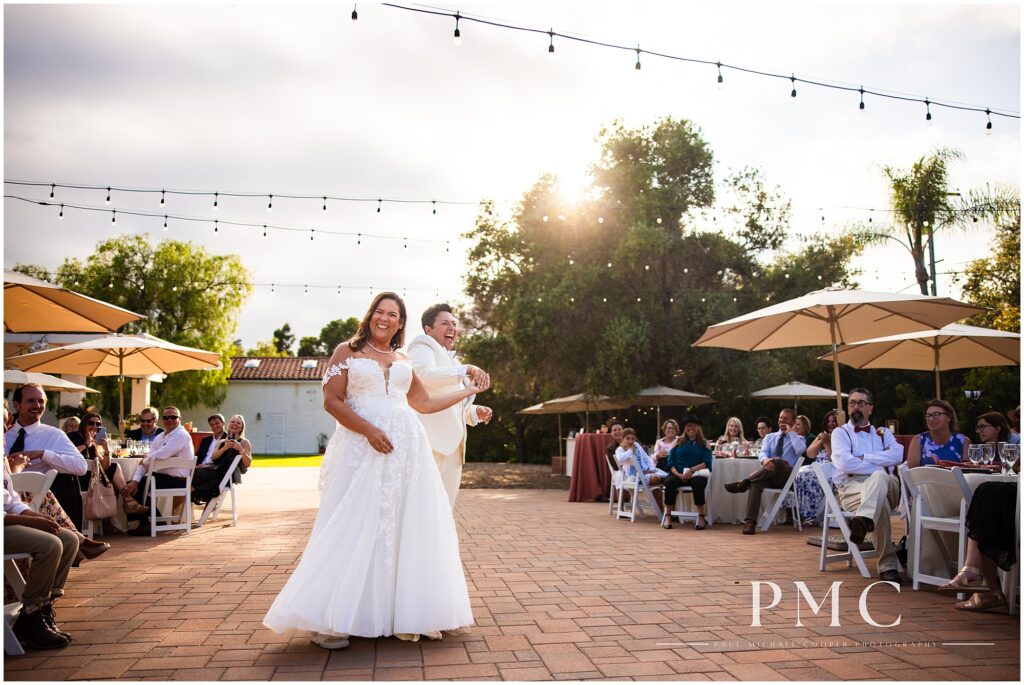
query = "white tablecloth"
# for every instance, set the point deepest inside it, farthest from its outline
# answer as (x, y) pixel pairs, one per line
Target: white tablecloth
(128, 466)
(727, 507)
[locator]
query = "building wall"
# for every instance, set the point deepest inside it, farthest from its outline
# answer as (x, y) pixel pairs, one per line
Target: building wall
(299, 402)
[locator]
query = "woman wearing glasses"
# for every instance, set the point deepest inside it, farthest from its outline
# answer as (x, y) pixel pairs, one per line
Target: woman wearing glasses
(941, 442)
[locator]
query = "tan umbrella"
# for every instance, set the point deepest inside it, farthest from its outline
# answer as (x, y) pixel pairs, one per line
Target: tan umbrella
(951, 347)
(15, 378)
(135, 355)
(833, 317)
(796, 391)
(662, 396)
(571, 404)
(34, 306)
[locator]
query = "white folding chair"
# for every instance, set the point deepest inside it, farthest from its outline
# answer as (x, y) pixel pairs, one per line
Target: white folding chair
(780, 495)
(634, 487)
(17, 582)
(833, 513)
(226, 487)
(688, 514)
(616, 482)
(153, 492)
(35, 484)
(940, 499)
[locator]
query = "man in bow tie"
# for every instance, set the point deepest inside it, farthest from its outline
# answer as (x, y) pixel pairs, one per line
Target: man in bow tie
(432, 355)
(862, 456)
(779, 453)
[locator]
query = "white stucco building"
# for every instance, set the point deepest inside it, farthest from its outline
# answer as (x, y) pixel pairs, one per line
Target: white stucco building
(282, 402)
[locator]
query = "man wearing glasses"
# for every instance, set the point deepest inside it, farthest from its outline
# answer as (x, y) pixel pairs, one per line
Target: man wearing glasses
(173, 442)
(862, 456)
(148, 430)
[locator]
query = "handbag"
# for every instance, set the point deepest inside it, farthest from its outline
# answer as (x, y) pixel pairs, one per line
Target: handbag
(100, 500)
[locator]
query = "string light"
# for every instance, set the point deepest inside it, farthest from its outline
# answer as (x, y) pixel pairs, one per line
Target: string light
(264, 230)
(792, 80)
(113, 216)
(108, 195)
(551, 44)
(162, 202)
(355, 14)
(637, 67)
(61, 215)
(379, 201)
(928, 111)
(165, 222)
(312, 232)
(215, 225)
(216, 200)
(270, 203)
(720, 79)
(434, 202)
(862, 98)
(457, 36)
(325, 204)
(988, 126)
(52, 187)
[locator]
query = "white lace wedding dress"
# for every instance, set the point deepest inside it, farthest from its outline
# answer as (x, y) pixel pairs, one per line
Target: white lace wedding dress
(383, 557)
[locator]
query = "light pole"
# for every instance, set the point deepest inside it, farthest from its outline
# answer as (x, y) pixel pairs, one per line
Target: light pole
(931, 248)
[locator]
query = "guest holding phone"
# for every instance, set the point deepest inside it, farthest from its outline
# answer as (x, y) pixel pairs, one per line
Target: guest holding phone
(206, 479)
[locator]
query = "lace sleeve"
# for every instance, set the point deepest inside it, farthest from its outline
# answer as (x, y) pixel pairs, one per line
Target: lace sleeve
(333, 371)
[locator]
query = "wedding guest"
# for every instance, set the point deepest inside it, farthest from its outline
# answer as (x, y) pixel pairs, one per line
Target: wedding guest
(941, 442)
(812, 499)
(689, 464)
(733, 433)
(204, 453)
(669, 438)
(993, 428)
(615, 429)
(147, 430)
(206, 479)
(71, 424)
(802, 426)
(629, 452)
(764, 427)
(991, 545)
(174, 442)
(1014, 417)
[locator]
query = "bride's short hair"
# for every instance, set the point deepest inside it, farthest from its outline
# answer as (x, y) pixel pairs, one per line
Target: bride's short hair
(357, 341)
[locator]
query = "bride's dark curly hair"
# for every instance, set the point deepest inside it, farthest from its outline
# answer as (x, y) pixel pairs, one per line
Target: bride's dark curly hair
(357, 341)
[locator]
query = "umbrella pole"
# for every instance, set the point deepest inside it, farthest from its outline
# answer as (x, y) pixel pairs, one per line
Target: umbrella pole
(938, 381)
(120, 383)
(658, 427)
(840, 414)
(560, 436)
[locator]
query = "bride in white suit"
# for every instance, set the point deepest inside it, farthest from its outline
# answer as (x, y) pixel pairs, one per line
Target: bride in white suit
(432, 356)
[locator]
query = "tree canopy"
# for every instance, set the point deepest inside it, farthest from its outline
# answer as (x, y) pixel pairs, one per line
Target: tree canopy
(331, 335)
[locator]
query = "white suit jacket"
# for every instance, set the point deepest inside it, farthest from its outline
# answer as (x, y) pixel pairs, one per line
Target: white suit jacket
(437, 371)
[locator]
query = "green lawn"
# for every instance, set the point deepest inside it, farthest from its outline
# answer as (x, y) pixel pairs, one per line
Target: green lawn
(259, 460)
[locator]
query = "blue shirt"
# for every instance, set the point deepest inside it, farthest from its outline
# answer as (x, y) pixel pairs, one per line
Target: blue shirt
(931, 453)
(793, 446)
(687, 454)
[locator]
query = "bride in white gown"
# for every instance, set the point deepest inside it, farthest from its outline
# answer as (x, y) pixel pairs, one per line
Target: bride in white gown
(383, 556)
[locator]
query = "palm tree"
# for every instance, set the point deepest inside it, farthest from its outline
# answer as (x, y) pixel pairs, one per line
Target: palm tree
(923, 204)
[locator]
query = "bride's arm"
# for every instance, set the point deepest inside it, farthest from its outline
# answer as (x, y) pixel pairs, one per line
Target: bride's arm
(335, 405)
(425, 403)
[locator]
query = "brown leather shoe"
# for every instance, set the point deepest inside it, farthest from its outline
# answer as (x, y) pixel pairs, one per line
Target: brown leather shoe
(738, 486)
(860, 526)
(749, 528)
(91, 551)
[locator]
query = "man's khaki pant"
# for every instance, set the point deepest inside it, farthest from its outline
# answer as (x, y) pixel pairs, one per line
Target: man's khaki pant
(874, 496)
(52, 556)
(450, 466)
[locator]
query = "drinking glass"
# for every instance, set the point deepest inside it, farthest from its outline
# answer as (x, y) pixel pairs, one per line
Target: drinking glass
(1009, 456)
(974, 454)
(988, 452)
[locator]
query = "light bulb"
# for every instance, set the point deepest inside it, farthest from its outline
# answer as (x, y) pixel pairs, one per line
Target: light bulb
(551, 47)
(355, 15)
(325, 205)
(270, 203)
(61, 215)
(113, 217)
(216, 201)
(162, 198)
(457, 36)
(108, 195)
(792, 80)
(52, 187)
(862, 98)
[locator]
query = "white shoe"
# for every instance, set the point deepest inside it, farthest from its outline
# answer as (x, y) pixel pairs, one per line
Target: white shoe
(330, 641)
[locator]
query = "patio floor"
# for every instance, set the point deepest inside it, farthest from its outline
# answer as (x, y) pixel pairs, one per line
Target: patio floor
(559, 591)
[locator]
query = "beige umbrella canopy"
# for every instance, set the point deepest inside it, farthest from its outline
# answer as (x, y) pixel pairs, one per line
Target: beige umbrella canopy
(572, 404)
(796, 391)
(834, 317)
(34, 306)
(662, 396)
(134, 355)
(14, 378)
(951, 347)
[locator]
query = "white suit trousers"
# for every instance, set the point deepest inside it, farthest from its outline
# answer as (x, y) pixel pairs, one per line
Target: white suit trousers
(450, 466)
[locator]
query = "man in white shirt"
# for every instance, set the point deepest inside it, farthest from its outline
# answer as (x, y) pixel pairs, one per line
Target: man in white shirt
(45, 447)
(53, 550)
(432, 355)
(862, 456)
(175, 441)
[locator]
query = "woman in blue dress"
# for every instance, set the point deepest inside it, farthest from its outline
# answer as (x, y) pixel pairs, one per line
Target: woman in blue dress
(812, 499)
(941, 442)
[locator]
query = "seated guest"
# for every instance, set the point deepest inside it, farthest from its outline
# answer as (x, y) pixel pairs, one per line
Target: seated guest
(1013, 416)
(941, 442)
(991, 545)
(689, 464)
(669, 438)
(812, 499)
(615, 429)
(147, 430)
(779, 453)
(85, 440)
(174, 442)
(46, 447)
(207, 477)
(802, 426)
(71, 424)
(208, 444)
(862, 455)
(53, 550)
(764, 427)
(992, 428)
(733, 433)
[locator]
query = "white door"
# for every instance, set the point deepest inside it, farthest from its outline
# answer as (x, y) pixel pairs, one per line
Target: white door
(275, 433)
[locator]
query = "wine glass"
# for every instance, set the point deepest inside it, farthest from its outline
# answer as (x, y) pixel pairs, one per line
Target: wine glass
(1009, 455)
(988, 453)
(974, 454)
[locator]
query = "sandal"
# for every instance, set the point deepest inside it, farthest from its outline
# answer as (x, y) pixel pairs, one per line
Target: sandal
(969, 579)
(983, 601)
(701, 523)
(666, 522)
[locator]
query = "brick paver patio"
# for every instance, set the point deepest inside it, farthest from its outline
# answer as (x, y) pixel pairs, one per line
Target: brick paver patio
(559, 591)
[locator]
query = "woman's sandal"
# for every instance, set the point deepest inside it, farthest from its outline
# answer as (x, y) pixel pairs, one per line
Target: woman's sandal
(666, 522)
(983, 601)
(969, 579)
(701, 523)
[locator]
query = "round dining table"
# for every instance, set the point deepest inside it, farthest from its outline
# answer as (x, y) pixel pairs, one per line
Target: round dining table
(591, 479)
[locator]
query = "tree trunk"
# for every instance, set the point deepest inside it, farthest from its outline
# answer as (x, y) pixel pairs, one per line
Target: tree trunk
(920, 272)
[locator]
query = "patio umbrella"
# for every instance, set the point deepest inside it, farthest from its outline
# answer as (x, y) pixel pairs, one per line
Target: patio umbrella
(14, 378)
(34, 306)
(135, 355)
(572, 404)
(660, 396)
(833, 317)
(951, 347)
(796, 391)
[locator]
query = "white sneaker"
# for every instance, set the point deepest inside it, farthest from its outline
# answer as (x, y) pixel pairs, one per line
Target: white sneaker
(330, 641)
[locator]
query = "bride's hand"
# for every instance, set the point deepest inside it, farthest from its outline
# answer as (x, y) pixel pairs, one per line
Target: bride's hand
(379, 441)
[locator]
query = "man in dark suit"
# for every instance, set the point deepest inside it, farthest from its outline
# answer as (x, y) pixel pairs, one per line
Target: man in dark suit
(208, 444)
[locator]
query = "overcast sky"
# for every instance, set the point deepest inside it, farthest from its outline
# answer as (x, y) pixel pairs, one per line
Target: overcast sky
(302, 100)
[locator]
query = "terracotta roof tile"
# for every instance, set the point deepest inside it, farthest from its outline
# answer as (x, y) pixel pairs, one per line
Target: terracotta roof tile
(277, 369)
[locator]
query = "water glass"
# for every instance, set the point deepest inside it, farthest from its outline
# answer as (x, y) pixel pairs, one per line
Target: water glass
(974, 454)
(1009, 456)
(988, 453)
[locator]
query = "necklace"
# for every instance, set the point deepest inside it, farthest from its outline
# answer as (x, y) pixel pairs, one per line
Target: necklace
(370, 344)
